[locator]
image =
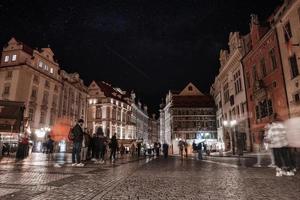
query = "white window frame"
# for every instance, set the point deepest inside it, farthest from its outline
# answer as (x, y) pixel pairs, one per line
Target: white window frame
(40, 64)
(14, 57)
(6, 58)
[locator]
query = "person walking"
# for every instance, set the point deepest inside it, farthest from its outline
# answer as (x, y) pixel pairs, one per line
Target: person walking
(113, 147)
(102, 144)
(186, 148)
(180, 146)
(165, 150)
(76, 135)
(277, 140)
(199, 148)
(132, 149)
(139, 146)
(1, 146)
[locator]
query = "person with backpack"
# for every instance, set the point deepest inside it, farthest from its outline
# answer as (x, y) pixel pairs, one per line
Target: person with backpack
(76, 135)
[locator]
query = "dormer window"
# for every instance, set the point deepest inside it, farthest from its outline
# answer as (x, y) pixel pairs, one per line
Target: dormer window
(46, 67)
(6, 58)
(41, 64)
(14, 57)
(190, 88)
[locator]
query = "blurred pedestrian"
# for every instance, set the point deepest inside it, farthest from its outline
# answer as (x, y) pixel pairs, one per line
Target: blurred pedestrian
(132, 149)
(277, 140)
(85, 145)
(165, 150)
(199, 148)
(122, 150)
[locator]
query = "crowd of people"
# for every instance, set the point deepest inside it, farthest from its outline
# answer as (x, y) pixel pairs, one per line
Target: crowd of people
(97, 147)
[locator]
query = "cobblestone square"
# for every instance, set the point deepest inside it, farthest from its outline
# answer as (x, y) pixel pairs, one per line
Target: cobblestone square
(145, 178)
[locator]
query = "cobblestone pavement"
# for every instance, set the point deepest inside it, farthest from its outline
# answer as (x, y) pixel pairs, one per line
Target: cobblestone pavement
(173, 178)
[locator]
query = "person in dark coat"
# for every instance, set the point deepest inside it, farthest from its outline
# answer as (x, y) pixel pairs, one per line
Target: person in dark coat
(77, 137)
(199, 147)
(113, 145)
(165, 150)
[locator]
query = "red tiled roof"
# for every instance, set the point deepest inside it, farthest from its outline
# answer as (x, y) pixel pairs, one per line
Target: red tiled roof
(192, 101)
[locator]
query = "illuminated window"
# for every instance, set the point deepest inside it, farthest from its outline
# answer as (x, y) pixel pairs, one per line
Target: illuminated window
(41, 64)
(46, 67)
(14, 57)
(51, 70)
(6, 58)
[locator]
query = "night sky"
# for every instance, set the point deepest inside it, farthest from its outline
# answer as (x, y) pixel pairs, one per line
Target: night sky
(148, 46)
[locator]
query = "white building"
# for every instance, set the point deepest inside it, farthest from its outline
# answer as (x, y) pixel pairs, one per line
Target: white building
(188, 115)
(229, 94)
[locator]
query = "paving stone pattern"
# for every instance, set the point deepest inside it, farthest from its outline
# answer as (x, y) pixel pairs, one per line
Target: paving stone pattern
(128, 178)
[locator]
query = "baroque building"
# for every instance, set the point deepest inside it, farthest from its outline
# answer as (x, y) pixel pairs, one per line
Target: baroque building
(116, 112)
(34, 77)
(188, 115)
(229, 94)
(265, 86)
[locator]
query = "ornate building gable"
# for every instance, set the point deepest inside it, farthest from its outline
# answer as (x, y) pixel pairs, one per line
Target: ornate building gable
(234, 42)
(223, 57)
(190, 90)
(48, 54)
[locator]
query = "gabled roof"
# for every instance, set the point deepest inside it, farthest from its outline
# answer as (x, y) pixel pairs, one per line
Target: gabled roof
(25, 47)
(109, 91)
(190, 90)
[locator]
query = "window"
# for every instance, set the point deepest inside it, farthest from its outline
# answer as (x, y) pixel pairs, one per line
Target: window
(263, 67)
(190, 88)
(248, 80)
(273, 59)
(34, 93)
(6, 58)
(14, 57)
(237, 82)
(297, 98)
(46, 67)
(287, 31)
(51, 70)
(6, 90)
(31, 114)
(264, 109)
(294, 66)
(42, 117)
(9, 75)
(45, 98)
(226, 92)
(47, 84)
(55, 88)
(98, 113)
(35, 79)
(41, 64)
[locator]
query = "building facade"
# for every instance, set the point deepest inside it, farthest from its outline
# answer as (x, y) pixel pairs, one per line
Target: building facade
(153, 130)
(74, 95)
(116, 112)
(189, 116)
(287, 23)
(33, 76)
(265, 86)
(229, 94)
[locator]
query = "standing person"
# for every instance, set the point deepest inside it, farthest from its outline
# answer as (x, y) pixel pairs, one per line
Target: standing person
(270, 150)
(277, 140)
(85, 145)
(122, 150)
(113, 147)
(139, 145)
(165, 150)
(95, 147)
(132, 149)
(102, 144)
(76, 135)
(186, 148)
(199, 148)
(1, 146)
(180, 146)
